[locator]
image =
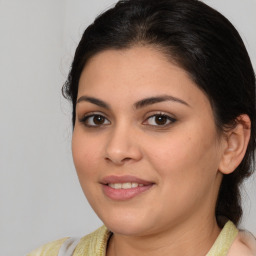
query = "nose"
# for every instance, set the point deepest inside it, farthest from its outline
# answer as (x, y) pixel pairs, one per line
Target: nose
(123, 146)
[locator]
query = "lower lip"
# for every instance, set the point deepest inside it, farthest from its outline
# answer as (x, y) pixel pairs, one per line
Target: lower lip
(124, 194)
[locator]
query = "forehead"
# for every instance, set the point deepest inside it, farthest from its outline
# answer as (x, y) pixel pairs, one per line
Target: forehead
(136, 72)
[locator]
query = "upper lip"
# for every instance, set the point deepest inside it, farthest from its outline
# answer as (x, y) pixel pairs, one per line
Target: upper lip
(124, 179)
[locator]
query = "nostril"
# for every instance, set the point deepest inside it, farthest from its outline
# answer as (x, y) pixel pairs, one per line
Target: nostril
(126, 159)
(118, 161)
(120, 152)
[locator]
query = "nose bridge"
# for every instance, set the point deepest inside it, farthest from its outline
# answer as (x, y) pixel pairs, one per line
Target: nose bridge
(121, 145)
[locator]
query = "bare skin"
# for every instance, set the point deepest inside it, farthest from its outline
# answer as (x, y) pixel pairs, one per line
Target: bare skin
(171, 142)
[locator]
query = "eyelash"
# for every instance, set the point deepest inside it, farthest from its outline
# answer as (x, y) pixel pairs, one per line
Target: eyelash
(165, 117)
(85, 119)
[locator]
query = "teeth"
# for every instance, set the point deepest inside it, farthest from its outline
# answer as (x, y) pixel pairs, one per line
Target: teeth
(135, 185)
(126, 185)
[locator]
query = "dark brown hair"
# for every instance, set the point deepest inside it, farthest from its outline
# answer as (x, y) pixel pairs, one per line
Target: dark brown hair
(201, 41)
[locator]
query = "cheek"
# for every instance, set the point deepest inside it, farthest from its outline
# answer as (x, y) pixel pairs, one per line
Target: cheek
(86, 159)
(187, 172)
(85, 156)
(185, 157)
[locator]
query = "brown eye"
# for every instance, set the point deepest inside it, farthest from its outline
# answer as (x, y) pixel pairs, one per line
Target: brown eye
(160, 120)
(98, 120)
(95, 120)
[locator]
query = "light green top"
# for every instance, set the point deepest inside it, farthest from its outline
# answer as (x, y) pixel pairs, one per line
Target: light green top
(96, 243)
(224, 240)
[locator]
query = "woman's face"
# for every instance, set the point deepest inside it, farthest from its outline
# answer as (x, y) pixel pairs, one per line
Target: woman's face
(145, 145)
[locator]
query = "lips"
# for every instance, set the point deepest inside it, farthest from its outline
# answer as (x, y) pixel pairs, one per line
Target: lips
(124, 179)
(124, 187)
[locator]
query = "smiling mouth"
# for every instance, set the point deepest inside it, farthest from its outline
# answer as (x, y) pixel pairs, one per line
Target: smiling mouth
(126, 185)
(121, 188)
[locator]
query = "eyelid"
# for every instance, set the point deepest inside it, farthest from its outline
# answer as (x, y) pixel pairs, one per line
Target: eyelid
(91, 113)
(86, 116)
(168, 116)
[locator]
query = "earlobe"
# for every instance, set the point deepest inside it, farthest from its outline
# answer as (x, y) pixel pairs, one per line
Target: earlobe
(236, 142)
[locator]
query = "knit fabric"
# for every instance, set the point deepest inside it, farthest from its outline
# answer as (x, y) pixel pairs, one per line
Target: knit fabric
(95, 244)
(224, 240)
(50, 249)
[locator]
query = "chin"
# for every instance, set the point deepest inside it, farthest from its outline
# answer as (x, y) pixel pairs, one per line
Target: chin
(126, 229)
(131, 218)
(128, 225)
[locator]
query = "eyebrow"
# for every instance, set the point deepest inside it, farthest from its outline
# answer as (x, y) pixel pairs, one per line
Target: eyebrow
(140, 104)
(158, 99)
(95, 101)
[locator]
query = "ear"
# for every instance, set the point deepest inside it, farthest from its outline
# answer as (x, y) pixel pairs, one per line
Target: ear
(236, 140)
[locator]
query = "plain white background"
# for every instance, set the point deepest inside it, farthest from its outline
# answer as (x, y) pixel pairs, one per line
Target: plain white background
(40, 196)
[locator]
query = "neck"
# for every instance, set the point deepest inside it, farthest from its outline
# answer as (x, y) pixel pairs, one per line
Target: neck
(187, 239)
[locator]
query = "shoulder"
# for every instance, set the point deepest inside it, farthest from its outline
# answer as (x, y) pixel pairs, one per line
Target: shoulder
(96, 241)
(244, 244)
(49, 249)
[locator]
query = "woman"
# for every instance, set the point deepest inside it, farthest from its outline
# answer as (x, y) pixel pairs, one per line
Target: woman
(163, 97)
